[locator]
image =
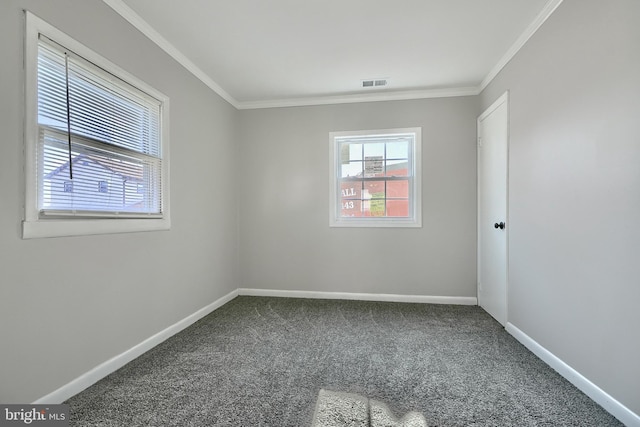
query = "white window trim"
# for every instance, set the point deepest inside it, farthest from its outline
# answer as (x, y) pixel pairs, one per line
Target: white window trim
(335, 220)
(33, 226)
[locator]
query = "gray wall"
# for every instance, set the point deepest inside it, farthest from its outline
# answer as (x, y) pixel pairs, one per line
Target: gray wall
(574, 281)
(285, 239)
(69, 304)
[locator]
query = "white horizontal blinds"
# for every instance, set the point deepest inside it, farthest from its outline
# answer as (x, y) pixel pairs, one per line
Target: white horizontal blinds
(103, 180)
(115, 140)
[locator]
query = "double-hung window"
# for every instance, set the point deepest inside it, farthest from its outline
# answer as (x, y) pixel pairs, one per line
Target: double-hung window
(96, 142)
(375, 178)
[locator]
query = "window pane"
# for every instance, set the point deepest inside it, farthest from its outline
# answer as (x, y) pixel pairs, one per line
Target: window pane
(397, 168)
(373, 197)
(102, 181)
(398, 208)
(351, 169)
(102, 107)
(351, 208)
(373, 166)
(374, 190)
(374, 149)
(377, 207)
(398, 150)
(350, 152)
(398, 189)
(351, 190)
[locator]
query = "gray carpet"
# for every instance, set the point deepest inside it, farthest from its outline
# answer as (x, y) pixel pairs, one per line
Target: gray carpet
(339, 409)
(262, 362)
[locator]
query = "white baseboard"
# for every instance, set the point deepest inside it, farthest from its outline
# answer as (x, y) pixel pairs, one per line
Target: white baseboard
(94, 375)
(615, 408)
(359, 296)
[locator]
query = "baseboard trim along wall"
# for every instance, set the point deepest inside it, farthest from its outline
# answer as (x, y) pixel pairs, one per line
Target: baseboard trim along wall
(96, 374)
(615, 408)
(422, 299)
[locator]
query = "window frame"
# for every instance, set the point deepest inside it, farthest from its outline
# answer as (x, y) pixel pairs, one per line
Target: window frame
(36, 225)
(415, 199)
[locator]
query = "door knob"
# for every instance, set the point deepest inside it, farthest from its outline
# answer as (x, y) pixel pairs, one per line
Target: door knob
(499, 225)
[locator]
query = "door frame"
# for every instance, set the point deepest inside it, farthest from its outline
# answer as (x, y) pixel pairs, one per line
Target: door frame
(502, 99)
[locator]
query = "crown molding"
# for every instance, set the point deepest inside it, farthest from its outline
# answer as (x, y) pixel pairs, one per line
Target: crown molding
(369, 97)
(134, 19)
(548, 9)
(138, 22)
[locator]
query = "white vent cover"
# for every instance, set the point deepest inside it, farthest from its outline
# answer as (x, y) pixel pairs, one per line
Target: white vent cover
(374, 83)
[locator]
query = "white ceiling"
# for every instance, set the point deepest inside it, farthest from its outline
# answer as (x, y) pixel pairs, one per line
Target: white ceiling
(263, 53)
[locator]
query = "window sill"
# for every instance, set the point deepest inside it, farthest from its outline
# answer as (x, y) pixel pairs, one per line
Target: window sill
(375, 223)
(83, 227)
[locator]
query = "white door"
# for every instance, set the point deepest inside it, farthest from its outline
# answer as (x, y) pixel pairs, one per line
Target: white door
(493, 137)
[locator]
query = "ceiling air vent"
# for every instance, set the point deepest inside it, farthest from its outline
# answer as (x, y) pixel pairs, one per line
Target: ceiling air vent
(374, 83)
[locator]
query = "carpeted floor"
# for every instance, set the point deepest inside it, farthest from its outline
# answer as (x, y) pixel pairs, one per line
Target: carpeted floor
(262, 361)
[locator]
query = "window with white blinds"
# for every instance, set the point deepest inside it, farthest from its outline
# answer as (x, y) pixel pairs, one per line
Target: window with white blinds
(97, 147)
(115, 138)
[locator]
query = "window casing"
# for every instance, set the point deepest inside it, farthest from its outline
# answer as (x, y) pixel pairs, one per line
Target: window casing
(375, 178)
(96, 142)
